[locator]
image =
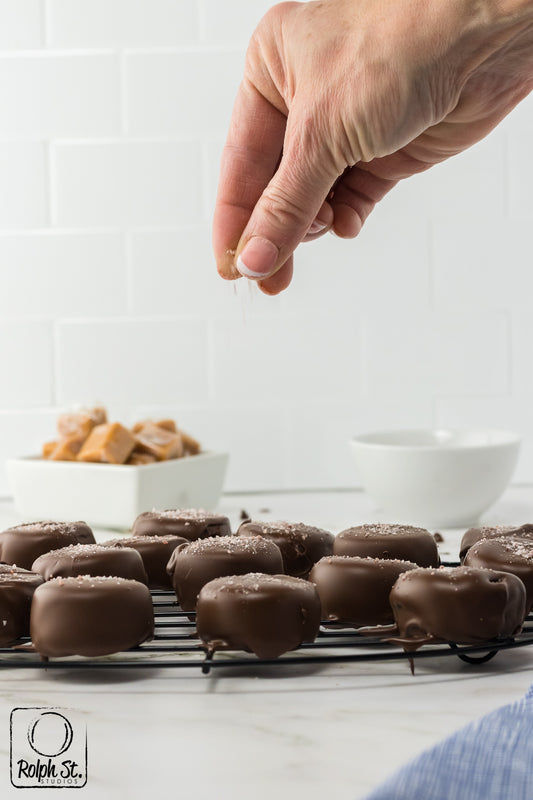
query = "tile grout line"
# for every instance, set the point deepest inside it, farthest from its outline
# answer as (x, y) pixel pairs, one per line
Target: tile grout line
(51, 194)
(127, 247)
(44, 24)
(123, 100)
(201, 20)
(49, 186)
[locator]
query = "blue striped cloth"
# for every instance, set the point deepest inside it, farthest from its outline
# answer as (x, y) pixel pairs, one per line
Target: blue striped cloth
(490, 759)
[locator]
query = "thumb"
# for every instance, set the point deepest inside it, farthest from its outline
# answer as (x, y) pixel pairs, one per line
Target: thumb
(291, 207)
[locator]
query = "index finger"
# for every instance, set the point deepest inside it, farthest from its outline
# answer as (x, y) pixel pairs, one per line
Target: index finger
(249, 160)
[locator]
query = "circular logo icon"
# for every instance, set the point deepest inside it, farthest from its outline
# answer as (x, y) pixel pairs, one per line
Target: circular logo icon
(50, 734)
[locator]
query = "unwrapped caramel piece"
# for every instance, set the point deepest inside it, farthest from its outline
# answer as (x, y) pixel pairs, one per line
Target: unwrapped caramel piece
(110, 443)
(139, 459)
(191, 446)
(67, 449)
(80, 423)
(158, 442)
(48, 449)
(99, 414)
(166, 424)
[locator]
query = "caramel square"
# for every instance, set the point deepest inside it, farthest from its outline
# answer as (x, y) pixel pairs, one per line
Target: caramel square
(111, 443)
(158, 442)
(80, 423)
(140, 459)
(48, 449)
(67, 449)
(191, 446)
(166, 424)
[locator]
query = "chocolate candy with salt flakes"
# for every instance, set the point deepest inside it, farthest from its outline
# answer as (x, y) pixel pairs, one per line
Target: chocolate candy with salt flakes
(466, 605)
(91, 559)
(265, 614)
(22, 544)
(355, 590)
(193, 565)
(473, 535)
(191, 523)
(507, 555)
(155, 552)
(301, 545)
(17, 586)
(90, 616)
(379, 540)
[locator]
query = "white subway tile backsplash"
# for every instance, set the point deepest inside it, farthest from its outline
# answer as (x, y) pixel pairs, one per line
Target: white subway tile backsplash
(163, 99)
(49, 95)
(23, 433)
(113, 115)
(435, 353)
(23, 185)
(233, 21)
(124, 183)
(296, 358)
(20, 24)
(132, 361)
(213, 154)
(174, 272)
(26, 363)
(116, 23)
(520, 172)
(470, 184)
(503, 412)
(52, 274)
(318, 446)
(255, 438)
(477, 265)
(520, 117)
(372, 270)
(319, 454)
(522, 353)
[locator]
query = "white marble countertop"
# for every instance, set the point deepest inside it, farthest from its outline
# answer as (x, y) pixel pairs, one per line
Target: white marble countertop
(303, 732)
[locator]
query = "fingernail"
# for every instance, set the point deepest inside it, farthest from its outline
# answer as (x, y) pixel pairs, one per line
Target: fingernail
(316, 227)
(257, 258)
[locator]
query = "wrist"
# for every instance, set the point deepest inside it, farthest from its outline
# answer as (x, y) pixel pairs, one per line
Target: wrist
(499, 39)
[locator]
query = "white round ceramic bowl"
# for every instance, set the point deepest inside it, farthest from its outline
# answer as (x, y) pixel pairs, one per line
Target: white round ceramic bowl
(435, 478)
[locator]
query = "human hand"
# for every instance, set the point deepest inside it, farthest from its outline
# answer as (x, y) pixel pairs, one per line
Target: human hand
(341, 99)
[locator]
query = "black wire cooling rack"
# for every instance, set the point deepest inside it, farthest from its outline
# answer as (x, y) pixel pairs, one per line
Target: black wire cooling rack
(175, 645)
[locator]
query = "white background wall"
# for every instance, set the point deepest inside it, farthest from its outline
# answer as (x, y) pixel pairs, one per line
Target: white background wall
(112, 118)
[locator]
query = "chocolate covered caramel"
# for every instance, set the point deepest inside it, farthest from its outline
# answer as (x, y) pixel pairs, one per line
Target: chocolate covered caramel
(379, 540)
(155, 552)
(265, 614)
(91, 559)
(301, 545)
(191, 523)
(354, 590)
(90, 616)
(17, 586)
(465, 605)
(22, 544)
(508, 555)
(473, 535)
(193, 565)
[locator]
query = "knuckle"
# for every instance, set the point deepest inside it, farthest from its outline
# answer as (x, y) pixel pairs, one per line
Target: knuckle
(284, 211)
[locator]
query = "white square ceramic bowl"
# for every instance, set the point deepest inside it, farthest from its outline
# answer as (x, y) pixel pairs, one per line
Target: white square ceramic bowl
(111, 496)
